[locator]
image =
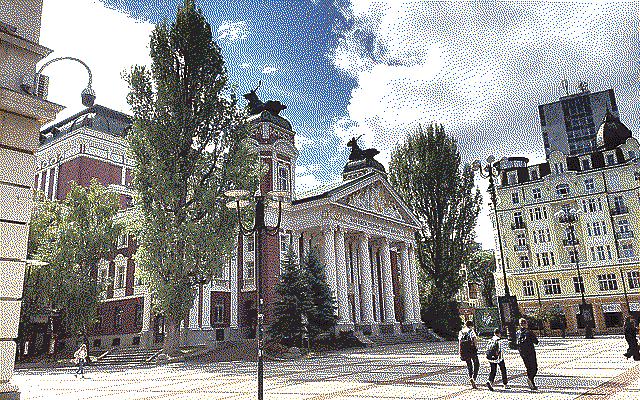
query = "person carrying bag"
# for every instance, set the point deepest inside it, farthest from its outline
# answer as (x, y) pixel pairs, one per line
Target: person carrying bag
(495, 355)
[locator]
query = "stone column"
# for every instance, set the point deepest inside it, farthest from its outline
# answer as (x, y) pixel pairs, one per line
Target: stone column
(413, 268)
(206, 305)
(341, 278)
(407, 285)
(356, 283)
(329, 255)
(233, 284)
(387, 283)
(367, 283)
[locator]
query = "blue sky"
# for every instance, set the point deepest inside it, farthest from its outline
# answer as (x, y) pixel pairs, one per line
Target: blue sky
(376, 68)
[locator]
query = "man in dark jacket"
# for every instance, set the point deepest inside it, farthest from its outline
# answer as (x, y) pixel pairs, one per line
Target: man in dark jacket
(526, 341)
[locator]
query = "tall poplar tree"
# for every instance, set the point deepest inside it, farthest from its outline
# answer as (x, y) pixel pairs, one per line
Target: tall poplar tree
(190, 145)
(428, 173)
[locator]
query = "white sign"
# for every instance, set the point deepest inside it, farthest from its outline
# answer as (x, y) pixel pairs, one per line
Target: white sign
(634, 306)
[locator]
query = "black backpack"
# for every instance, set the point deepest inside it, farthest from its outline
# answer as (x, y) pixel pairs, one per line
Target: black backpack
(467, 346)
(493, 351)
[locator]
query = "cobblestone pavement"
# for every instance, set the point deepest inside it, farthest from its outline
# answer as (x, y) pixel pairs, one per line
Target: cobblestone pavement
(569, 369)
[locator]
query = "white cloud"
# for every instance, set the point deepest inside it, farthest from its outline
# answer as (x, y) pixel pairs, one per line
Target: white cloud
(109, 41)
(245, 65)
(479, 68)
(269, 70)
(233, 31)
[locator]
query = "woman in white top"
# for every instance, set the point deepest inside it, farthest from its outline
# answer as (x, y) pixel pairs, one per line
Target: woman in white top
(495, 355)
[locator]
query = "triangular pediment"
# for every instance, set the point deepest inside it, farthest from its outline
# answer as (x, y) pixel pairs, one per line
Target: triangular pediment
(376, 196)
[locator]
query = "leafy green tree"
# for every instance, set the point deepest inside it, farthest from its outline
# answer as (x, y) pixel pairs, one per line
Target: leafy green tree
(481, 266)
(71, 237)
(190, 145)
(322, 316)
(294, 302)
(427, 172)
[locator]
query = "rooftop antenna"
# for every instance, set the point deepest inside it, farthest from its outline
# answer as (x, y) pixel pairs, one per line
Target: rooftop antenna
(565, 86)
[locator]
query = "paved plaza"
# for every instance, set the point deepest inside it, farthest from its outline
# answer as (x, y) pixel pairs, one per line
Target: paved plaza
(569, 369)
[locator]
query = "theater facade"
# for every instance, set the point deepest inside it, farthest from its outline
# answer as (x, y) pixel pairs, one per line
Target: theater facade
(358, 224)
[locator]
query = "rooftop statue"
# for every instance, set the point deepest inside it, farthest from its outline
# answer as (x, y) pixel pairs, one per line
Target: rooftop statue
(256, 106)
(357, 153)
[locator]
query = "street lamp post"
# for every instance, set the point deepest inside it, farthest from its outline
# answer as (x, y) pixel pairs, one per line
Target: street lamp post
(88, 95)
(509, 311)
(239, 200)
(626, 296)
(569, 216)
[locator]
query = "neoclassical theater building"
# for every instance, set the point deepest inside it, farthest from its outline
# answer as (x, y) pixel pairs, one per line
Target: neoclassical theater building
(358, 224)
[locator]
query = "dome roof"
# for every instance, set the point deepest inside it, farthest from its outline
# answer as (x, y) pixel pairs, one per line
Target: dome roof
(612, 133)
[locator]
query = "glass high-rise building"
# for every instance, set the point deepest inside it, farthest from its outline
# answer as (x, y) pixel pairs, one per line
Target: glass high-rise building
(570, 125)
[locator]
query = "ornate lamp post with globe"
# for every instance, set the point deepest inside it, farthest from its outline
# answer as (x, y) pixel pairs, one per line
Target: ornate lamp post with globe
(508, 304)
(240, 199)
(569, 216)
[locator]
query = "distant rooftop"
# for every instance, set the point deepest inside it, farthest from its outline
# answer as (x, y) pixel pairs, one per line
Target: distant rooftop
(96, 117)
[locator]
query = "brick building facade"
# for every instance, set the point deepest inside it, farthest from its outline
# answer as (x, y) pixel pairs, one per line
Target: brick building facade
(361, 228)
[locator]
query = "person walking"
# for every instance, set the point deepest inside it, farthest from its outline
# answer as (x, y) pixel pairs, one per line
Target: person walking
(632, 340)
(80, 356)
(525, 340)
(468, 341)
(495, 355)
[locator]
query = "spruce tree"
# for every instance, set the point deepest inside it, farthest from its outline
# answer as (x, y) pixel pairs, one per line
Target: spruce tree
(293, 302)
(322, 316)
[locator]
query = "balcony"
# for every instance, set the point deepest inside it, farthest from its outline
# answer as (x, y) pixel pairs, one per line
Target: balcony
(518, 225)
(521, 247)
(619, 210)
(624, 235)
(570, 242)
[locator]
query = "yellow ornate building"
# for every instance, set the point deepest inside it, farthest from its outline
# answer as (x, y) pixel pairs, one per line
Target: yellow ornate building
(541, 250)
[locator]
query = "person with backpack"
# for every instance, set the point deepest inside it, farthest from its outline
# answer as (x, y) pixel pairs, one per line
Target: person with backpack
(525, 340)
(495, 355)
(468, 341)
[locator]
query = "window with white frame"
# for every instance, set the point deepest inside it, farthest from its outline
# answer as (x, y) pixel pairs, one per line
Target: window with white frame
(285, 241)
(562, 190)
(218, 313)
(636, 175)
(123, 240)
(589, 185)
(633, 278)
(551, 286)
(524, 261)
(121, 279)
(515, 197)
(623, 226)
(521, 239)
(573, 256)
(559, 167)
(632, 155)
(607, 282)
(527, 288)
(586, 164)
(537, 193)
(578, 284)
(512, 178)
(626, 250)
(249, 270)
(283, 177)
(610, 158)
(533, 173)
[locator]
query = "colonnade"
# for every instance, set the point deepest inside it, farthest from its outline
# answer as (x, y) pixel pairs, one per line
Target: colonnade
(359, 272)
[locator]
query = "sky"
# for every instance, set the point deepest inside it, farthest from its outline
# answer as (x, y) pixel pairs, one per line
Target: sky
(378, 69)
